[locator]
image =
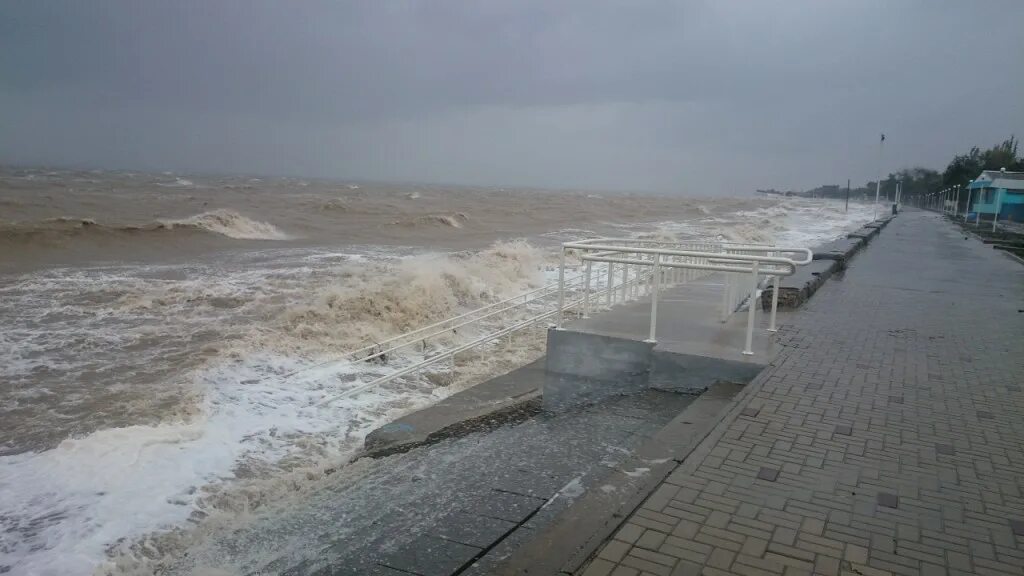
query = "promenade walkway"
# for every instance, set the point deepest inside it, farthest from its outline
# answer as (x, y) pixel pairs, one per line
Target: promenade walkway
(886, 438)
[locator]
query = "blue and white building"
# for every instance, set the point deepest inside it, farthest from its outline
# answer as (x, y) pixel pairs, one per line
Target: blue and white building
(999, 190)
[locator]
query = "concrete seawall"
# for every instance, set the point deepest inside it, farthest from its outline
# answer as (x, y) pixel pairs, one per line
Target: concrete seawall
(829, 259)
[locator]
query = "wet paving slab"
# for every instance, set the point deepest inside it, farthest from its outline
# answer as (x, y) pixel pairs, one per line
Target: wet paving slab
(454, 507)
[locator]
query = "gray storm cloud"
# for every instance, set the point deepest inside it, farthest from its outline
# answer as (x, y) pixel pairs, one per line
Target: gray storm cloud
(686, 97)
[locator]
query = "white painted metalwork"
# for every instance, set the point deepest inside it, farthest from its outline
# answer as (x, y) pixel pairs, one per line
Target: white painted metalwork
(684, 261)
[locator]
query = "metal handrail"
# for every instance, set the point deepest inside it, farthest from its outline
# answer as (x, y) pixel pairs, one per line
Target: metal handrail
(730, 258)
(417, 336)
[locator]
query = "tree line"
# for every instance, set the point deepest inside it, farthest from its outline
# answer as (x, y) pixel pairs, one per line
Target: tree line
(919, 181)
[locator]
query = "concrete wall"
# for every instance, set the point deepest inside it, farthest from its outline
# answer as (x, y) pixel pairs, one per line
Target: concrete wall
(584, 368)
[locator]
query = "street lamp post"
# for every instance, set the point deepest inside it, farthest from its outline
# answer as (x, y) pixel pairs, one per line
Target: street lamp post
(878, 185)
(956, 203)
(970, 192)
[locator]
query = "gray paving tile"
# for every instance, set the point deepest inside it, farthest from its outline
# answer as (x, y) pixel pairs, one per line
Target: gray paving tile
(888, 499)
(472, 530)
(431, 556)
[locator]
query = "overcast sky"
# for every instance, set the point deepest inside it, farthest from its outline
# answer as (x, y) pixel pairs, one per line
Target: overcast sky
(703, 97)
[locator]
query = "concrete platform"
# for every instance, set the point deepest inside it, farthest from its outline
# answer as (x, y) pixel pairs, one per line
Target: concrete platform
(688, 323)
(502, 397)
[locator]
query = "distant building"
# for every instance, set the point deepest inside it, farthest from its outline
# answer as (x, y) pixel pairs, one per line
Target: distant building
(999, 188)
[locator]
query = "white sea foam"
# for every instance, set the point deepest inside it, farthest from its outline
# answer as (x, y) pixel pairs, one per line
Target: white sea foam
(178, 183)
(64, 507)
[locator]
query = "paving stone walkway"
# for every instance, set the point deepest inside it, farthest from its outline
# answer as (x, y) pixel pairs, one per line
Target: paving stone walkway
(886, 438)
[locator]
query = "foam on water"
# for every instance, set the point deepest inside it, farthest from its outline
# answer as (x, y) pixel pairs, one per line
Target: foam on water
(178, 183)
(65, 507)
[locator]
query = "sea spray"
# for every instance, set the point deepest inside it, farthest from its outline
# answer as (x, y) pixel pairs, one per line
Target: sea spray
(258, 431)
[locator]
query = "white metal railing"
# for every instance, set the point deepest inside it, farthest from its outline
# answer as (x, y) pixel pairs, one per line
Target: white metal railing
(658, 263)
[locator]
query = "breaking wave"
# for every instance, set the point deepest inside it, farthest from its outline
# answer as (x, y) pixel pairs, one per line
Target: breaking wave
(178, 183)
(223, 222)
(230, 224)
(454, 220)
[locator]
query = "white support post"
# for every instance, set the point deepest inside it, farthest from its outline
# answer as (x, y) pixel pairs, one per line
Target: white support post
(725, 296)
(999, 201)
(654, 297)
(625, 282)
(586, 291)
(609, 291)
(561, 289)
(751, 310)
(775, 303)
(635, 287)
(967, 210)
(956, 203)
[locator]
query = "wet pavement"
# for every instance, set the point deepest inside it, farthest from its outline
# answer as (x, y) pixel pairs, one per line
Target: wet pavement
(886, 438)
(457, 506)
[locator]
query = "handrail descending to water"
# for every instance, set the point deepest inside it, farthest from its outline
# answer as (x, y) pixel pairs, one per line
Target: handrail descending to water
(666, 259)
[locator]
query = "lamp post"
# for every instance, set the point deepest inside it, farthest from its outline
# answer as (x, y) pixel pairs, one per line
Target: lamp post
(956, 203)
(878, 185)
(970, 192)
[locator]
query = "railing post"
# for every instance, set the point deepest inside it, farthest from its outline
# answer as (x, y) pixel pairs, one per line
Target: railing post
(611, 282)
(725, 296)
(625, 282)
(636, 278)
(995, 215)
(654, 297)
(775, 303)
(561, 288)
(751, 310)
(586, 291)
